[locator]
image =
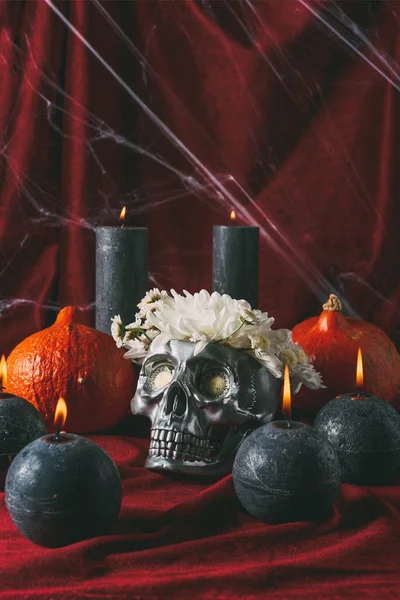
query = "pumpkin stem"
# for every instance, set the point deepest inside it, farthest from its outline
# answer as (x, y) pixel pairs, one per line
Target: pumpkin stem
(333, 304)
(69, 314)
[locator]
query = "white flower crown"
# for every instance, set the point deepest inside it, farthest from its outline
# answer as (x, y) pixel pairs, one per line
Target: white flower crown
(205, 319)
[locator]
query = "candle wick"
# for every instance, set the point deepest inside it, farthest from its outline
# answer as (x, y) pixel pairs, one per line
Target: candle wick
(58, 431)
(288, 424)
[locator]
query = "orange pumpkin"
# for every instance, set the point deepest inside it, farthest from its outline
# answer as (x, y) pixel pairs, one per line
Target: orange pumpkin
(332, 341)
(79, 363)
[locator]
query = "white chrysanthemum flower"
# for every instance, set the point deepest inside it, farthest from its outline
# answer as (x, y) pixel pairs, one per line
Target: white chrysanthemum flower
(301, 369)
(151, 333)
(288, 357)
(246, 313)
(137, 323)
(259, 342)
(150, 301)
(205, 318)
(270, 361)
(300, 354)
(137, 349)
(201, 318)
(117, 330)
(264, 320)
(133, 331)
(308, 376)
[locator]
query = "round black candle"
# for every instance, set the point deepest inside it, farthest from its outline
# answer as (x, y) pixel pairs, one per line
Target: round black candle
(20, 424)
(285, 471)
(121, 273)
(61, 489)
(235, 262)
(365, 431)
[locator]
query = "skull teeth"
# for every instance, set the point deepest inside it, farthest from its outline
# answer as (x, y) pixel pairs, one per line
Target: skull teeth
(181, 446)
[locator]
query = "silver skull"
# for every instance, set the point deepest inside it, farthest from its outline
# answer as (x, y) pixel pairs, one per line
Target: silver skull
(201, 407)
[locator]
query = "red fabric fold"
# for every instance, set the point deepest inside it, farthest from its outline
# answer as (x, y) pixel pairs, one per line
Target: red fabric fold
(180, 538)
(302, 130)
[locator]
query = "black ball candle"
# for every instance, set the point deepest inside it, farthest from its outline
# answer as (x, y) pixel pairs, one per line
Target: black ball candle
(365, 431)
(62, 488)
(286, 471)
(20, 424)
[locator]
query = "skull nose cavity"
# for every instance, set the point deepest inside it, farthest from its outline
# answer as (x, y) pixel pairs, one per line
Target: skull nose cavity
(176, 401)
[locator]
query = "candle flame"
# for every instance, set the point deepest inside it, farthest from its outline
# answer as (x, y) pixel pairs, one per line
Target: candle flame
(60, 416)
(287, 396)
(3, 372)
(233, 215)
(122, 213)
(360, 370)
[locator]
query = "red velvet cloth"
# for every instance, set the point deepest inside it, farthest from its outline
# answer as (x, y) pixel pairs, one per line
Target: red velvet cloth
(261, 92)
(264, 95)
(181, 538)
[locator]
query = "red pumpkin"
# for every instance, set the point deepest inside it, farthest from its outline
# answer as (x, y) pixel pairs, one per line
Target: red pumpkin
(79, 363)
(332, 341)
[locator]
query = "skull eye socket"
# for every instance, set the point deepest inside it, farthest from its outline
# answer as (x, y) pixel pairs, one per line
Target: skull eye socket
(214, 383)
(159, 375)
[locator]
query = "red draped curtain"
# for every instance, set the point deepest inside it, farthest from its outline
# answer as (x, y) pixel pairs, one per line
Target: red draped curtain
(290, 107)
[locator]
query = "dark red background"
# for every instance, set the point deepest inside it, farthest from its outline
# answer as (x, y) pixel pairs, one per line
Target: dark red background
(305, 125)
(264, 95)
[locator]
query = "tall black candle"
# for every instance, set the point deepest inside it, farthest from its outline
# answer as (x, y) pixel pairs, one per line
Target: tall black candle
(121, 273)
(235, 262)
